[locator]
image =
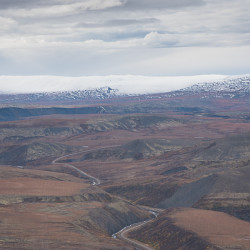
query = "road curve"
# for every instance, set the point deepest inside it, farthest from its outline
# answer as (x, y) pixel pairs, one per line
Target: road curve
(137, 244)
(122, 234)
(95, 181)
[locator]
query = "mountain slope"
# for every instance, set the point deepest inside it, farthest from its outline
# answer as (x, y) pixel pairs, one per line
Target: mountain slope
(20, 155)
(137, 150)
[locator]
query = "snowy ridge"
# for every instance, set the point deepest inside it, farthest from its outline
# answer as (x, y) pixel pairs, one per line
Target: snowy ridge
(230, 87)
(241, 85)
(99, 93)
(126, 84)
(237, 86)
(87, 95)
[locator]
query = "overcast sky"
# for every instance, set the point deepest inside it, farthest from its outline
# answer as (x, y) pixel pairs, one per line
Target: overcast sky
(137, 37)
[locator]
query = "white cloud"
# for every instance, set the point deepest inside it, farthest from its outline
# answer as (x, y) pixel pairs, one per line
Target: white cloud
(154, 39)
(6, 24)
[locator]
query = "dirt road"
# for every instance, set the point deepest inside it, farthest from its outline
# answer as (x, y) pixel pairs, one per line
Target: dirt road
(122, 234)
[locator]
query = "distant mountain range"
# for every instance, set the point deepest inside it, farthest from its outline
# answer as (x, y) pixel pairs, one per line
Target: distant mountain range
(229, 87)
(68, 97)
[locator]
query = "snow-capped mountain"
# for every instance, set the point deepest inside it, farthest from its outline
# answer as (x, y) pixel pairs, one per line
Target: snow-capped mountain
(81, 96)
(126, 84)
(229, 87)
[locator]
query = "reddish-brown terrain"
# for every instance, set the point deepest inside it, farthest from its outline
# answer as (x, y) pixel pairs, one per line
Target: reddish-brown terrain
(30, 186)
(39, 212)
(191, 162)
(221, 229)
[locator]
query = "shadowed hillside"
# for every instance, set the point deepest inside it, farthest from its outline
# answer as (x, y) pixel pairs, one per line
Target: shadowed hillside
(137, 150)
(32, 153)
(230, 148)
(13, 113)
(130, 123)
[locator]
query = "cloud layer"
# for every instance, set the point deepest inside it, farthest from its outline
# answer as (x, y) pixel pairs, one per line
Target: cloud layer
(101, 37)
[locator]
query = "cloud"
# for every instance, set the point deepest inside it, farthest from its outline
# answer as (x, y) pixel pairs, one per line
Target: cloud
(93, 59)
(6, 24)
(154, 39)
(122, 36)
(6, 4)
(83, 4)
(127, 22)
(119, 23)
(159, 4)
(94, 4)
(55, 9)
